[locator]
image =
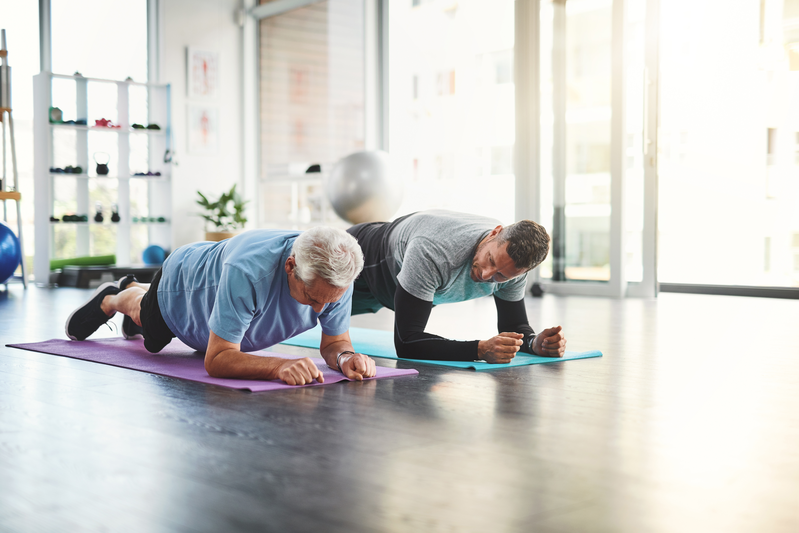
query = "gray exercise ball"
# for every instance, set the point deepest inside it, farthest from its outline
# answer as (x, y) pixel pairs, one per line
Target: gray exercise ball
(362, 188)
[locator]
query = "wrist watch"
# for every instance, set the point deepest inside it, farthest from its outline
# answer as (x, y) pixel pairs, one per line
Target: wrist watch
(338, 358)
(530, 342)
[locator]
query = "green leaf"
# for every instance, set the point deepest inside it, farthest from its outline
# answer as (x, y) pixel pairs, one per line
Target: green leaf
(226, 213)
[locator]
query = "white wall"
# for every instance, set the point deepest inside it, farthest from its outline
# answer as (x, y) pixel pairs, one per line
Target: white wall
(208, 25)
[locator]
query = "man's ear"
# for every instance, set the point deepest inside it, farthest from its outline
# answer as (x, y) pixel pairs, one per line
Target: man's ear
(495, 231)
(290, 265)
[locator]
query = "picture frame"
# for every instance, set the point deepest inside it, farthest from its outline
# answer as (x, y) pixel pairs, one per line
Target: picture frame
(202, 80)
(203, 137)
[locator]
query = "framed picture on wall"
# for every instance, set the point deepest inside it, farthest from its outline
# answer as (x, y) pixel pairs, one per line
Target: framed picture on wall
(203, 74)
(203, 129)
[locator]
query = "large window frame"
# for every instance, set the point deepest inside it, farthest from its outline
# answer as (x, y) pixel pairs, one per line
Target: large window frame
(527, 155)
(154, 39)
(375, 80)
(528, 148)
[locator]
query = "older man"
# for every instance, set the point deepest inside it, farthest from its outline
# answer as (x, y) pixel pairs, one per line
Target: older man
(240, 295)
(436, 257)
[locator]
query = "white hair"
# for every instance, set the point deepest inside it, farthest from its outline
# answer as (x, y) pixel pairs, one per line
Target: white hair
(332, 254)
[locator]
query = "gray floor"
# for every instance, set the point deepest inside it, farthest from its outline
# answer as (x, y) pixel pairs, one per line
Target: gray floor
(690, 422)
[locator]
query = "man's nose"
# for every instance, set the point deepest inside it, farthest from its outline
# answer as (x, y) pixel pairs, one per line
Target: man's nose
(318, 307)
(488, 273)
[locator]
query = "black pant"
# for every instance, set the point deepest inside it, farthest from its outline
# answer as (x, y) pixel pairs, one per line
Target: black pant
(154, 329)
(375, 287)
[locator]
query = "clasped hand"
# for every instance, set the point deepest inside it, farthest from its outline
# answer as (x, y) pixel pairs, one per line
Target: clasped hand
(299, 371)
(357, 366)
(304, 371)
(502, 349)
(550, 343)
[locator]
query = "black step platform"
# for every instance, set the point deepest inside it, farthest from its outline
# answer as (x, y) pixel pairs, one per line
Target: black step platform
(85, 277)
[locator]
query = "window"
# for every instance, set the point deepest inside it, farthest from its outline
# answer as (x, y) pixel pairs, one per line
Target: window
(451, 118)
(312, 104)
(100, 38)
(93, 54)
(734, 100)
(22, 39)
(576, 163)
(82, 40)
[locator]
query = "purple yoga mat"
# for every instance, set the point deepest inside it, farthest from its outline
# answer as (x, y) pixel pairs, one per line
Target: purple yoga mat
(179, 361)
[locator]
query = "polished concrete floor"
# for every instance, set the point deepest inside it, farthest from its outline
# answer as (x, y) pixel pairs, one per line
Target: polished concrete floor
(690, 422)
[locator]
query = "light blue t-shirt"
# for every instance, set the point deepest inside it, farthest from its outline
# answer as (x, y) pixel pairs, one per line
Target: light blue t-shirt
(238, 288)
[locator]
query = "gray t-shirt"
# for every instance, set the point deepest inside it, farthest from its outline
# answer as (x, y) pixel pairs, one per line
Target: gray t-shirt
(432, 254)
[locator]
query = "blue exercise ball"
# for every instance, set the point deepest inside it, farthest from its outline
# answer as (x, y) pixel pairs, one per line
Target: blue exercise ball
(153, 255)
(10, 253)
(362, 188)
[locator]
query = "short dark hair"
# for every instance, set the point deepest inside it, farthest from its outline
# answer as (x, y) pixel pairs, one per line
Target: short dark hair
(528, 243)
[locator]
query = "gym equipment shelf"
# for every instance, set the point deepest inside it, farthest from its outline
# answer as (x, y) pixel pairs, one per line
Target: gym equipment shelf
(158, 188)
(81, 127)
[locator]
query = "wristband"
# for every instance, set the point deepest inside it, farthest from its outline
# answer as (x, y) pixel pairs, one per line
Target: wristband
(338, 358)
(531, 342)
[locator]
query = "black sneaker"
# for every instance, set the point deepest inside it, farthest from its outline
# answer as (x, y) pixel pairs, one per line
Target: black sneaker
(129, 328)
(87, 318)
(126, 280)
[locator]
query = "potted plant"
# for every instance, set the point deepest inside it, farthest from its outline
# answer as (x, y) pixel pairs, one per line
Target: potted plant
(226, 215)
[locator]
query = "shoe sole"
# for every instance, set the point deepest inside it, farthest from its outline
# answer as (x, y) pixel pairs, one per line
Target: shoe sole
(123, 278)
(135, 335)
(97, 291)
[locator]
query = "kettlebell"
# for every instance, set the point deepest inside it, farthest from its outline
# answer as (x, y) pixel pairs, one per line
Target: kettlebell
(102, 163)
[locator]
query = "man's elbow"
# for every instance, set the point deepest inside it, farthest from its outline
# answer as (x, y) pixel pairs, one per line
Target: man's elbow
(212, 366)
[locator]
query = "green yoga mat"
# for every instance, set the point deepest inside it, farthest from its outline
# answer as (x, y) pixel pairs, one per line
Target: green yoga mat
(94, 260)
(378, 343)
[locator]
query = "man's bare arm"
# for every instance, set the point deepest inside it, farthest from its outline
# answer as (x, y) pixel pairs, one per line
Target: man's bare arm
(225, 359)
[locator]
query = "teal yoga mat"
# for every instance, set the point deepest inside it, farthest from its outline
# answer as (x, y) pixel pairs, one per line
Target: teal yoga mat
(378, 343)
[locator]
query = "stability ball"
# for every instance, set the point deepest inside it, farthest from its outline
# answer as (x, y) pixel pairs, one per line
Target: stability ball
(153, 255)
(10, 253)
(362, 188)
